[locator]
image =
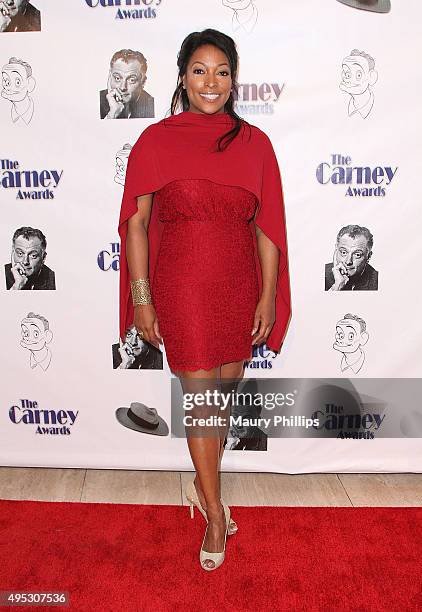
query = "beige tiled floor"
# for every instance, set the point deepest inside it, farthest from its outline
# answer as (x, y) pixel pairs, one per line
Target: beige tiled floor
(239, 489)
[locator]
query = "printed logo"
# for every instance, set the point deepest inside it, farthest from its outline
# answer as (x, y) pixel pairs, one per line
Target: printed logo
(126, 9)
(262, 358)
(31, 184)
(257, 99)
(109, 259)
(340, 172)
(47, 422)
(348, 424)
(357, 78)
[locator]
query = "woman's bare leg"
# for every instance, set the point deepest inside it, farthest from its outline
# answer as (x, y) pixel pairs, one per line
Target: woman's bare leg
(232, 370)
(204, 447)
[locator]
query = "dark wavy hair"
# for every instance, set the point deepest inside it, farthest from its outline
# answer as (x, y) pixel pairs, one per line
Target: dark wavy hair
(180, 97)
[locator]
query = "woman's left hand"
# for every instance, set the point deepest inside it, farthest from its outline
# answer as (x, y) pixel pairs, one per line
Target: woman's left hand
(264, 319)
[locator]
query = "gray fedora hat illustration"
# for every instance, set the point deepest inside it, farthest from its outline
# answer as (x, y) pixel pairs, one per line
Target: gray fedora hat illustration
(376, 6)
(142, 418)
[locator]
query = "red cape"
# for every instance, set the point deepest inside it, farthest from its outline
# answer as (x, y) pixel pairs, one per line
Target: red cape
(183, 147)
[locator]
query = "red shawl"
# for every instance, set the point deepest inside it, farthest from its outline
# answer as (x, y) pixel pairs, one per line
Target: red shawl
(183, 147)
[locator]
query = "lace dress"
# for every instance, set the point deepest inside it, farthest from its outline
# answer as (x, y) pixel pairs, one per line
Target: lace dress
(205, 287)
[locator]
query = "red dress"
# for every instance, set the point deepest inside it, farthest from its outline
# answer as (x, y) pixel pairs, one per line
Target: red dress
(205, 288)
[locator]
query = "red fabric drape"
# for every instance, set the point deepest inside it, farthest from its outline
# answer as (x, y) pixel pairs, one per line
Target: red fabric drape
(183, 146)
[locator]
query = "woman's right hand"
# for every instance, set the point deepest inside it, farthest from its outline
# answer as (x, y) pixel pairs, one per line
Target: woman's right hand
(146, 321)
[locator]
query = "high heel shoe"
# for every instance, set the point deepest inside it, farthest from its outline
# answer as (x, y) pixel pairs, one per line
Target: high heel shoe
(193, 499)
(217, 557)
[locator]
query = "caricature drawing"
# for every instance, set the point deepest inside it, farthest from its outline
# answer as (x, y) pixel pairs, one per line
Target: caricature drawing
(122, 157)
(350, 337)
(357, 78)
(36, 334)
(17, 84)
(245, 14)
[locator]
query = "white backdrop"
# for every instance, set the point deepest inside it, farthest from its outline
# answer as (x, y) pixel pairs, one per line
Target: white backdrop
(293, 54)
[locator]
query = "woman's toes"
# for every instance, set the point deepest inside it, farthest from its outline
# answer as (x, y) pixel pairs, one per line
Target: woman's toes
(209, 563)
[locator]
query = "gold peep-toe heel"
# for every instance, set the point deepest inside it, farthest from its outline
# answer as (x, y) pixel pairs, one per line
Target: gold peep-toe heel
(217, 557)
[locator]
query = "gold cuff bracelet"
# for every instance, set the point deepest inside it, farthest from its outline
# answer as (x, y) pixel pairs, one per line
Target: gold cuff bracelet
(141, 293)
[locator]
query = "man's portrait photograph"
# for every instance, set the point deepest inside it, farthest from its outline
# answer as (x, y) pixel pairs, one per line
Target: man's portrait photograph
(350, 269)
(136, 354)
(27, 268)
(19, 16)
(125, 96)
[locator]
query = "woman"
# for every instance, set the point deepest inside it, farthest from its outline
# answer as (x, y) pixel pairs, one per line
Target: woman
(204, 253)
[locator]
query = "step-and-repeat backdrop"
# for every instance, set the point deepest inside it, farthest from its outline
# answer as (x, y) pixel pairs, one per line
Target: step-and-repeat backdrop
(337, 87)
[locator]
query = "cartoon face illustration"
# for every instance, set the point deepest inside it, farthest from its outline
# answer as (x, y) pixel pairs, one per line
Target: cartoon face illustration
(350, 337)
(357, 74)
(357, 78)
(353, 254)
(36, 335)
(16, 82)
(35, 332)
(122, 158)
(29, 254)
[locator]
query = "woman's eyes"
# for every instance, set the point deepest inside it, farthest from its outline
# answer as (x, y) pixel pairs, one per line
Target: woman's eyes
(223, 72)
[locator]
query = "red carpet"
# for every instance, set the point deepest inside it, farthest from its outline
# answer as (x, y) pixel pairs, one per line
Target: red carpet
(133, 558)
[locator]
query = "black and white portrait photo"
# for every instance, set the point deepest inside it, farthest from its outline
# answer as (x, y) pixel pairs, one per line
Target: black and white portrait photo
(19, 16)
(27, 268)
(125, 96)
(243, 432)
(350, 269)
(136, 354)
(17, 85)
(243, 436)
